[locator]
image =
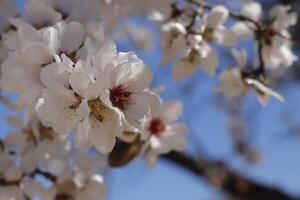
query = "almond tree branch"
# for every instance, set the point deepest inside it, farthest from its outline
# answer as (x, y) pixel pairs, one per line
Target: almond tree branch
(221, 176)
(240, 17)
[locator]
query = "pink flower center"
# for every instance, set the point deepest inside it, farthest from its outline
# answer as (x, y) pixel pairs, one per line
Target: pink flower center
(156, 127)
(120, 97)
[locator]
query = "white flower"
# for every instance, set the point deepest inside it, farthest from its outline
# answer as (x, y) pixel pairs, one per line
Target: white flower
(94, 189)
(233, 84)
(278, 53)
(214, 30)
(43, 152)
(202, 55)
(276, 49)
(172, 41)
(251, 9)
(10, 192)
(74, 105)
(36, 49)
(125, 86)
(40, 13)
(284, 17)
(163, 132)
(34, 189)
(243, 30)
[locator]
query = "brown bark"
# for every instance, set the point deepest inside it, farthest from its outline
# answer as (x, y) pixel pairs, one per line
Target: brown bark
(219, 175)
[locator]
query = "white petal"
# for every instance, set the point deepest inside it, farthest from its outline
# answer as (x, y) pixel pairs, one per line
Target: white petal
(55, 76)
(183, 69)
(105, 55)
(225, 37)
(140, 106)
(218, 16)
(132, 74)
(103, 133)
(240, 57)
(94, 190)
(15, 141)
(170, 111)
(79, 82)
(210, 62)
(30, 160)
(71, 37)
(37, 53)
(251, 9)
(84, 109)
(14, 173)
(38, 12)
(27, 32)
(32, 188)
(242, 31)
(231, 83)
(175, 137)
(82, 135)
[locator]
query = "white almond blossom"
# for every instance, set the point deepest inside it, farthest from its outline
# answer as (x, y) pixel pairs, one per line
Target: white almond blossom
(274, 35)
(79, 109)
(41, 13)
(213, 28)
(277, 50)
(190, 39)
(172, 41)
(233, 84)
(80, 98)
(48, 155)
(37, 48)
(203, 56)
(162, 131)
(125, 83)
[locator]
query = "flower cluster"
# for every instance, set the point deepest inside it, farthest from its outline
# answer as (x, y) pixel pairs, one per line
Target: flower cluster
(195, 33)
(40, 164)
(273, 33)
(191, 31)
(72, 79)
(235, 82)
(73, 83)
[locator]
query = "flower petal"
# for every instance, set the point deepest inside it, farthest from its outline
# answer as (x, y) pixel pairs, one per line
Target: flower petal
(225, 37)
(70, 44)
(218, 16)
(103, 133)
(82, 135)
(170, 111)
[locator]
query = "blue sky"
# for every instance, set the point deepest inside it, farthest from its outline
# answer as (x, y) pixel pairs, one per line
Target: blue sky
(280, 163)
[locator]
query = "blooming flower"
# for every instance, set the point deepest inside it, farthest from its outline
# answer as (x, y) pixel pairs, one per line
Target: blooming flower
(276, 49)
(79, 109)
(162, 132)
(125, 84)
(233, 84)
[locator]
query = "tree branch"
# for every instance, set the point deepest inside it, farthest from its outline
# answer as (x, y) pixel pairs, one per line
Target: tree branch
(219, 175)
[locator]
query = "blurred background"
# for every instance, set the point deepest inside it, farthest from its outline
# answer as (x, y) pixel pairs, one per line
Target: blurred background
(261, 143)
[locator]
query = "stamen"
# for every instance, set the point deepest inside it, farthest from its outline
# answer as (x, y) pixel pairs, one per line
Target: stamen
(156, 127)
(120, 97)
(97, 109)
